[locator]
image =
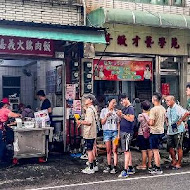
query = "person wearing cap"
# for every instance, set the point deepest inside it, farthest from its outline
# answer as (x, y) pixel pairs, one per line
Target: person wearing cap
(90, 132)
(46, 104)
(5, 114)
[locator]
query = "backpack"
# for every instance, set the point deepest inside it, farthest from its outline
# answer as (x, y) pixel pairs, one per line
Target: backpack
(145, 128)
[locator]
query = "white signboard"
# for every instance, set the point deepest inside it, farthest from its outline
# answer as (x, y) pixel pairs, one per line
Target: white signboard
(41, 116)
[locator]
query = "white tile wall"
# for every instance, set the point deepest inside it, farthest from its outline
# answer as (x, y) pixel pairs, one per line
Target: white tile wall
(41, 11)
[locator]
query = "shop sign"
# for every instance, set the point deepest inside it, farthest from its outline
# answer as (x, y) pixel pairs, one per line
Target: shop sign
(122, 40)
(122, 70)
(26, 46)
(41, 115)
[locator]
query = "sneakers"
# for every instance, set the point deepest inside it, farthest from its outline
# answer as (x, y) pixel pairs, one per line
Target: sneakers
(88, 171)
(84, 157)
(88, 163)
(157, 171)
(113, 171)
(96, 168)
(107, 170)
(131, 171)
(150, 170)
(124, 174)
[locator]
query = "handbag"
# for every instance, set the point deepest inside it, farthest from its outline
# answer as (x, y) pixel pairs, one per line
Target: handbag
(146, 129)
(174, 127)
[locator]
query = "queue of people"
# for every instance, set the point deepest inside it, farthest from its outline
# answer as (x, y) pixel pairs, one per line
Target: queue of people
(119, 125)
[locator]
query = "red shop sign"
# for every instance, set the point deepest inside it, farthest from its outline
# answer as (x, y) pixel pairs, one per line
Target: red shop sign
(26, 46)
(165, 89)
(122, 70)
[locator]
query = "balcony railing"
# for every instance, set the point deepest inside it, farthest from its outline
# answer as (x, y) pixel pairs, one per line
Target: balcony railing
(128, 5)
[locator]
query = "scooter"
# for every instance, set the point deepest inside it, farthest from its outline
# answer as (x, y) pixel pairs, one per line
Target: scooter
(186, 142)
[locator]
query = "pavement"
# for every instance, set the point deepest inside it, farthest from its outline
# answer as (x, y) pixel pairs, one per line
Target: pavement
(64, 172)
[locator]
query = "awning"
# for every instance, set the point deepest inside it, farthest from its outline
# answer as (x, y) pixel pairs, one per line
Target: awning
(120, 16)
(75, 34)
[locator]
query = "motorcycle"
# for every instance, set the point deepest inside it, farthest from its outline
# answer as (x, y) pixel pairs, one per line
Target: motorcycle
(186, 142)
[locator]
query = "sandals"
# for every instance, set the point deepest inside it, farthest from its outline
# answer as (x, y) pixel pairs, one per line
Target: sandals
(177, 167)
(140, 167)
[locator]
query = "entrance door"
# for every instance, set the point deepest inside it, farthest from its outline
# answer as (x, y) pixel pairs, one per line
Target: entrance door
(143, 90)
(173, 82)
(170, 76)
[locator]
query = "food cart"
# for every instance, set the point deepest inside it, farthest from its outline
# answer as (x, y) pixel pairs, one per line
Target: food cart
(31, 142)
(31, 139)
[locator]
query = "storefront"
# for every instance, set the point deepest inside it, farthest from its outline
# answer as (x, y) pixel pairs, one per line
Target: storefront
(116, 75)
(44, 57)
(153, 45)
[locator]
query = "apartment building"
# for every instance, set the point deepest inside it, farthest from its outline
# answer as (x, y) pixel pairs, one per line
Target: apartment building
(147, 42)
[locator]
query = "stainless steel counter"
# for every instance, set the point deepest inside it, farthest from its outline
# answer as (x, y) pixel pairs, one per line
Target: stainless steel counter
(31, 142)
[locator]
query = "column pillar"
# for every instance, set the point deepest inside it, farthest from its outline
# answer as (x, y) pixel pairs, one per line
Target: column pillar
(157, 75)
(183, 80)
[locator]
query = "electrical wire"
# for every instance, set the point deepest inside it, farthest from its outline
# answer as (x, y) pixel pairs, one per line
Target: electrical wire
(101, 57)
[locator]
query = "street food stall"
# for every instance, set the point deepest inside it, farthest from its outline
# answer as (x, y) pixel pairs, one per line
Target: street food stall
(31, 137)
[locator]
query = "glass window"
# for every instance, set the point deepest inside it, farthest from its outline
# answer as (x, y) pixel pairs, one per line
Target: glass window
(11, 85)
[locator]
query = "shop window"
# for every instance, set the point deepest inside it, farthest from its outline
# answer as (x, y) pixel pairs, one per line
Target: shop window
(11, 85)
(158, 2)
(169, 63)
(178, 2)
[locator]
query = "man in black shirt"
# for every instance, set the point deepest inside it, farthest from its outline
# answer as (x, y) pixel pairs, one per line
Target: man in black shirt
(46, 104)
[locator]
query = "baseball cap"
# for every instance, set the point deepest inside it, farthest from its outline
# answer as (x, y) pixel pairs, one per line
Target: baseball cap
(5, 101)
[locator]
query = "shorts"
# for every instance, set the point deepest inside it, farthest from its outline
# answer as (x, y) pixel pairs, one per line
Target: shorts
(175, 141)
(110, 135)
(143, 143)
(89, 144)
(125, 141)
(155, 140)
